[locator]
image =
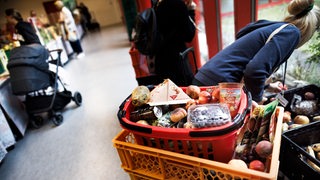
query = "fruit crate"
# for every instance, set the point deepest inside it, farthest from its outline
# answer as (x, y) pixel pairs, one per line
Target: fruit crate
(294, 155)
(143, 162)
(214, 143)
(289, 95)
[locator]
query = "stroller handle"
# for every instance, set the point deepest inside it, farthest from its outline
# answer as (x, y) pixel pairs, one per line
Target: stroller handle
(56, 50)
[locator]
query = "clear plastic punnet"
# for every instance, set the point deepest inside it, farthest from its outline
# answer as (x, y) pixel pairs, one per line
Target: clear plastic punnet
(209, 115)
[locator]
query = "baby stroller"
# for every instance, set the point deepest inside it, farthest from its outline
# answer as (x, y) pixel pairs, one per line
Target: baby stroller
(30, 76)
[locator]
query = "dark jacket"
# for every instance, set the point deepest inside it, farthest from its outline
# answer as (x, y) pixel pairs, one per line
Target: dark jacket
(177, 29)
(28, 33)
(250, 57)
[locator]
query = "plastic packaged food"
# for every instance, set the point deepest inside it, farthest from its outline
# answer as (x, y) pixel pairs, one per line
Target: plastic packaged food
(147, 113)
(208, 115)
(230, 94)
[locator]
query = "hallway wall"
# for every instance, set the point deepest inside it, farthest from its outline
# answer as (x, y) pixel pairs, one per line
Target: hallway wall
(106, 12)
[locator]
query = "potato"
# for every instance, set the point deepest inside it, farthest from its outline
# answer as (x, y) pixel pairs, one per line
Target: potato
(287, 117)
(301, 119)
(188, 125)
(316, 147)
(144, 122)
(285, 127)
(238, 163)
(193, 91)
(140, 95)
(309, 96)
(316, 118)
(293, 126)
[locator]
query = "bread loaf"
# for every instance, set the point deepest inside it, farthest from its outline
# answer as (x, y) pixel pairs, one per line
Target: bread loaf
(178, 114)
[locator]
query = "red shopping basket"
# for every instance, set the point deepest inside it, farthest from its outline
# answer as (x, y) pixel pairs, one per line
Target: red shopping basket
(142, 68)
(215, 143)
(139, 63)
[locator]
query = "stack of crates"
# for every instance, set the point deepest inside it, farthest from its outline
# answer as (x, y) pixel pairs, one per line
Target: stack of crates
(143, 162)
(150, 152)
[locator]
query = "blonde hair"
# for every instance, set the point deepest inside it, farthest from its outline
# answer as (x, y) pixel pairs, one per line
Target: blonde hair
(305, 16)
(59, 4)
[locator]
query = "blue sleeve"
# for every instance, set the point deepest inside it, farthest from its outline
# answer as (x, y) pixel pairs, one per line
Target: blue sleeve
(269, 58)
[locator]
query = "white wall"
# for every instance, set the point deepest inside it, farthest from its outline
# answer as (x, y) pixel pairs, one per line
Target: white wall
(106, 12)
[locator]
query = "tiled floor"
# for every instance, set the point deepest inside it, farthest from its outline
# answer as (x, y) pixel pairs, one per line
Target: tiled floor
(81, 147)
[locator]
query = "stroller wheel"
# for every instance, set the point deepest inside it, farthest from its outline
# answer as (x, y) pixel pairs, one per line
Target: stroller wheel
(37, 122)
(57, 119)
(77, 98)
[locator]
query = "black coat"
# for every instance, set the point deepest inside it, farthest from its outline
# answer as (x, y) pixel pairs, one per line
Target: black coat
(173, 18)
(28, 33)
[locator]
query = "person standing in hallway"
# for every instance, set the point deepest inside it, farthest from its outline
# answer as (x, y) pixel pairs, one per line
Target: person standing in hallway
(253, 59)
(70, 28)
(86, 14)
(175, 23)
(24, 32)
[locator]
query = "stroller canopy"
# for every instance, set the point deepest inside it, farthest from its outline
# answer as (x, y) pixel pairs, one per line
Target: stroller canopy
(29, 69)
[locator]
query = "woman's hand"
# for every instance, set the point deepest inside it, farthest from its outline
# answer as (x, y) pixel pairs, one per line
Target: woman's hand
(277, 87)
(264, 99)
(190, 4)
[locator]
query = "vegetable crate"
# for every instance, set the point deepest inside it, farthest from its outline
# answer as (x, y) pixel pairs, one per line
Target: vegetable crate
(289, 95)
(214, 143)
(294, 154)
(143, 162)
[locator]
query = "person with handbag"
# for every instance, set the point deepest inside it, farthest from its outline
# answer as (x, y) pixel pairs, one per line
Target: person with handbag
(23, 31)
(175, 22)
(70, 28)
(252, 59)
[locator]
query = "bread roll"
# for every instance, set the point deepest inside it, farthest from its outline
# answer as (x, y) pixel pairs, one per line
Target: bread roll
(178, 114)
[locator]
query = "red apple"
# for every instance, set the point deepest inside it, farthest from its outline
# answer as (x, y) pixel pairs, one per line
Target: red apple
(204, 97)
(214, 100)
(216, 94)
(264, 148)
(256, 165)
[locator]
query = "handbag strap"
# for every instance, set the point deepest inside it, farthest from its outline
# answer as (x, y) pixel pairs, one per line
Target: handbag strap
(269, 38)
(276, 31)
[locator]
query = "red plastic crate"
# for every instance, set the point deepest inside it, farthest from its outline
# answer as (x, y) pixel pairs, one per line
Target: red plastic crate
(139, 63)
(215, 143)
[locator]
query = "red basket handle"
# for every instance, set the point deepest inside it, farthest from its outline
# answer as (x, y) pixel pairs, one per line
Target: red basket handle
(237, 121)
